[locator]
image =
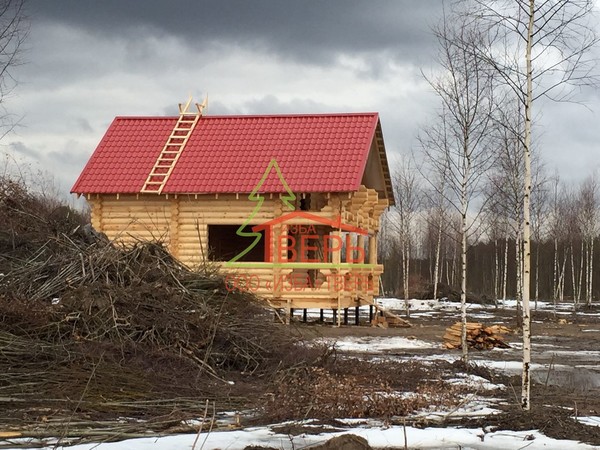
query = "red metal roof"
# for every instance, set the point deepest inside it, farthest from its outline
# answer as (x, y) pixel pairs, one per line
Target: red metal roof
(228, 154)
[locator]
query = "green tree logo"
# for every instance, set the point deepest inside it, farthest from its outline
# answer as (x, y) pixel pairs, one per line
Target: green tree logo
(255, 196)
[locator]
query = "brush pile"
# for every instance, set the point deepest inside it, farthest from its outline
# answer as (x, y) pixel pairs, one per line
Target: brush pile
(479, 336)
(91, 332)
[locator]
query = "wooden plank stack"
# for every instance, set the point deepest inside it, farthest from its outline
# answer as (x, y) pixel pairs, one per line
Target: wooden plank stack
(385, 318)
(479, 336)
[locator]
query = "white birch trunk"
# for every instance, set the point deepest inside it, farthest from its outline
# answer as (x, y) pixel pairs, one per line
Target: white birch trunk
(526, 379)
(505, 271)
(573, 282)
(537, 273)
(406, 274)
(463, 260)
(588, 274)
(437, 260)
(404, 277)
(584, 251)
(463, 290)
(496, 274)
(591, 273)
(453, 272)
(519, 258)
(519, 291)
(555, 271)
(561, 278)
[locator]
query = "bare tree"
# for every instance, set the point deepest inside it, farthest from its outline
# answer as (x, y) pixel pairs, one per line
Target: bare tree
(556, 230)
(403, 218)
(457, 146)
(14, 29)
(495, 221)
(438, 216)
(506, 180)
(506, 185)
(539, 212)
(589, 216)
(540, 48)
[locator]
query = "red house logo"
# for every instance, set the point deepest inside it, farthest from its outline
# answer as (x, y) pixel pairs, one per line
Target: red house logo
(303, 239)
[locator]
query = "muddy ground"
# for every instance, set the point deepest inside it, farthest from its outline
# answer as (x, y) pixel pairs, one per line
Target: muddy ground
(565, 363)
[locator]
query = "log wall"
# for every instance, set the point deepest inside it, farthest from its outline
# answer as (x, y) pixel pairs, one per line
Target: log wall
(181, 223)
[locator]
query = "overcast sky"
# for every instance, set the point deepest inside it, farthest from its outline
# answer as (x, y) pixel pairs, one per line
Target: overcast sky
(88, 61)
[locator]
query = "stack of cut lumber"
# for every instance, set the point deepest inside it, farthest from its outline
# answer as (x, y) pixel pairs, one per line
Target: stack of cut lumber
(385, 318)
(479, 336)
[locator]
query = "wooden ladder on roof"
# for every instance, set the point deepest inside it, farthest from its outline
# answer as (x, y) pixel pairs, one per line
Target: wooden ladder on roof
(173, 148)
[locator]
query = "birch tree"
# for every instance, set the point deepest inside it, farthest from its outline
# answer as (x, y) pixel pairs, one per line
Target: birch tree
(14, 29)
(538, 215)
(557, 226)
(406, 207)
(506, 181)
(589, 216)
(506, 185)
(457, 145)
(438, 214)
(541, 49)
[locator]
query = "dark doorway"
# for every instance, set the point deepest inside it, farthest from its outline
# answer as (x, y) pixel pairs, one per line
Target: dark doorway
(225, 244)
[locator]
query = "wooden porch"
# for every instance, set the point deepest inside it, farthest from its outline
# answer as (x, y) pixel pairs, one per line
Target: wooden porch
(328, 286)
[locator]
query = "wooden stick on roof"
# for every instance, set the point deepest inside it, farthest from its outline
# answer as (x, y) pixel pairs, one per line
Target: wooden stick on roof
(184, 109)
(202, 106)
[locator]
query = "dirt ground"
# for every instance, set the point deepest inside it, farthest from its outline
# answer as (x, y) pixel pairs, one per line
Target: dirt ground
(565, 364)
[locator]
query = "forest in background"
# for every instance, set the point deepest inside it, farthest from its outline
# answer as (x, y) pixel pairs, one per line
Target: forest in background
(564, 252)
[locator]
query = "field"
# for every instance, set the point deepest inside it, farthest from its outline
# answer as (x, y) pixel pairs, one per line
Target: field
(449, 405)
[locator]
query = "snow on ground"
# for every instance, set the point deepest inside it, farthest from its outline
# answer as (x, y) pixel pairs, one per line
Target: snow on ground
(378, 437)
(422, 305)
(428, 308)
(473, 381)
(590, 420)
(471, 407)
(377, 344)
(418, 307)
(446, 305)
(514, 367)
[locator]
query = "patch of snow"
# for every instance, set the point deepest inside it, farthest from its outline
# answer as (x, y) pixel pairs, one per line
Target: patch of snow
(376, 344)
(590, 420)
(426, 359)
(473, 381)
(482, 315)
(474, 407)
(595, 353)
(386, 437)
(587, 366)
(512, 367)
(422, 305)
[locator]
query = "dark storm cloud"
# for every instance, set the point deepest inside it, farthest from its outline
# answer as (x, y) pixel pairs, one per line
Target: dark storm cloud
(270, 103)
(310, 30)
(84, 125)
(69, 155)
(24, 150)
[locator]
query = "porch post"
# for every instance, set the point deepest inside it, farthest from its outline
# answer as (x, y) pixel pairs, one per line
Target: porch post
(373, 248)
(360, 243)
(336, 254)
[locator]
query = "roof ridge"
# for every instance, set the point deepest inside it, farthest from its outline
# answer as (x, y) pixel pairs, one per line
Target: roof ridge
(250, 116)
(148, 117)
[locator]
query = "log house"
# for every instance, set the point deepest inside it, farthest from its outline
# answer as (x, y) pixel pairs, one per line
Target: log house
(309, 189)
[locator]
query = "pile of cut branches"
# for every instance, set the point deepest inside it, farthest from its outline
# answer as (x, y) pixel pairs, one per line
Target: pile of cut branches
(360, 389)
(93, 332)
